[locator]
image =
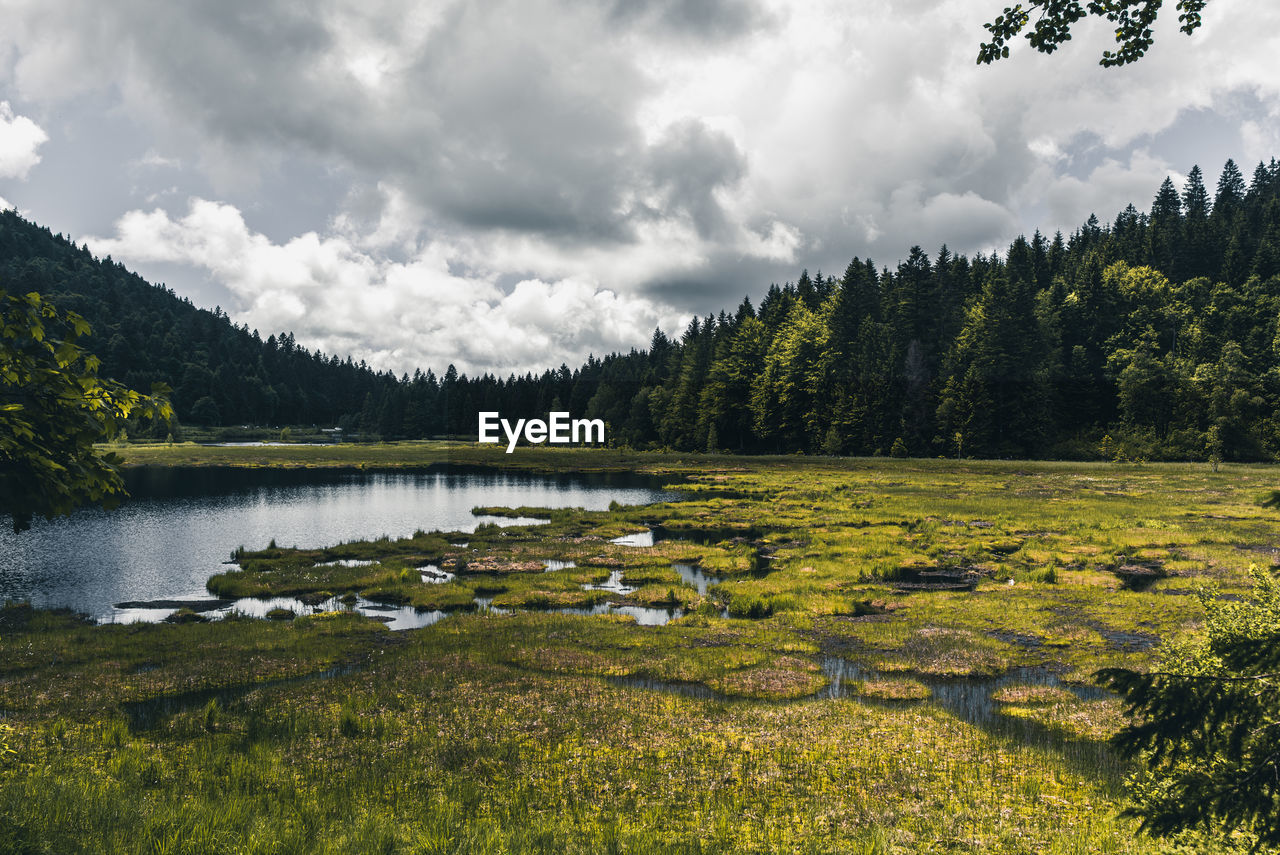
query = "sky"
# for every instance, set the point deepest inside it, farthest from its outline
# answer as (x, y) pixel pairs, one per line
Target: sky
(506, 186)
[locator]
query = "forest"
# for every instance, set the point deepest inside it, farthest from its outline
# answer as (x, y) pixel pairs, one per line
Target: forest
(1153, 336)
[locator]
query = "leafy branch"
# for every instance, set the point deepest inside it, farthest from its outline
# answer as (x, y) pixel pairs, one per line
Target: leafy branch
(55, 408)
(1133, 21)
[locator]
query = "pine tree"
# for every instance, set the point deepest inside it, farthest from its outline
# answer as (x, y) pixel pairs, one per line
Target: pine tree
(1230, 196)
(1165, 233)
(1195, 252)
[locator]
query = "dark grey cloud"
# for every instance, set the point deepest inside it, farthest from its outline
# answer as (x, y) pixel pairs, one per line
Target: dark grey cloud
(674, 153)
(506, 115)
(688, 166)
(523, 133)
(701, 20)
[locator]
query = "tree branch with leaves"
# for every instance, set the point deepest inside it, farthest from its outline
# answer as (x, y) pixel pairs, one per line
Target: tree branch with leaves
(1053, 19)
(53, 409)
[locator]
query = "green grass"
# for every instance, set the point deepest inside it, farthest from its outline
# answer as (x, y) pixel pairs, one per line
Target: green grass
(539, 732)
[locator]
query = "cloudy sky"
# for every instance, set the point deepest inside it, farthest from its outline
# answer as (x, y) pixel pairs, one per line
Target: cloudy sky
(510, 185)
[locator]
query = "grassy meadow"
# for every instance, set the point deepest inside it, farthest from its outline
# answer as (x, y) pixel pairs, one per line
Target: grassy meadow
(886, 656)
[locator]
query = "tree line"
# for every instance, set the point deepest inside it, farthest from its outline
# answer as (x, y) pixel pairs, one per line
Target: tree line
(1152, 336)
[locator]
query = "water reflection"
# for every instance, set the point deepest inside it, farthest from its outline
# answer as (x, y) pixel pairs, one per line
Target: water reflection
(613, 585)
(643, 615)
(182, 524)
(640, 538)
(696, 576)
(394, 616)
(433, 575)
(967, 698)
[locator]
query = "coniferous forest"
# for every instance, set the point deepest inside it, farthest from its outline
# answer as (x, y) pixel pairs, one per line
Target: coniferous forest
(1153, 336)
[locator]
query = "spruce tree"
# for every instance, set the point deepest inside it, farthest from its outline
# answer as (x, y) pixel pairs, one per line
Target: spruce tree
(1164, 236)
(1194, 256)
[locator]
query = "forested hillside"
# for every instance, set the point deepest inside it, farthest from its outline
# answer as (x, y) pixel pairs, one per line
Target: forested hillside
(1153, 336)
(144, 334)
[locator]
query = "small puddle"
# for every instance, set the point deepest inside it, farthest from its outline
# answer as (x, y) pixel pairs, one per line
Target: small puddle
(613, 585)
(401, 617)
(967, 698)
(641, 538)
(647, 615)
(433, 575)
(643, 615)
(554, 564)
(347, 562)
(697, 577)
(137, 614)
(700, 536)
(486, 519)
(761, 562)
(396, 617)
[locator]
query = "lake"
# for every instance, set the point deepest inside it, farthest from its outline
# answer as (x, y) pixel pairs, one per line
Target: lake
(181, 524)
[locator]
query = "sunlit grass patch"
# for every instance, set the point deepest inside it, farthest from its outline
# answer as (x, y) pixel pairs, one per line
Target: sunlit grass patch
(892, 690)
(1070, 718)
(1035, 696)
(784, 677)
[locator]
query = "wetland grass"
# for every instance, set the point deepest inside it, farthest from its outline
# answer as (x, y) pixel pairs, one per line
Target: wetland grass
(963, 721)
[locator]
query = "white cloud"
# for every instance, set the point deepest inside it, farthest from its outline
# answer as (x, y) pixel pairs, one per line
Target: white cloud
(20, 141)
(1261, 137)
(1106, 188)
(336, 296)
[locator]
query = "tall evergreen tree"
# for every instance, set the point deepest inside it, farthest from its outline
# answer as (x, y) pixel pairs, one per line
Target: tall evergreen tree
(1195, 255)
(1165, 233)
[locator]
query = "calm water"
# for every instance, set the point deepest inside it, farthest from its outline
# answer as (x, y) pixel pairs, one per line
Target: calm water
(182, 524)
